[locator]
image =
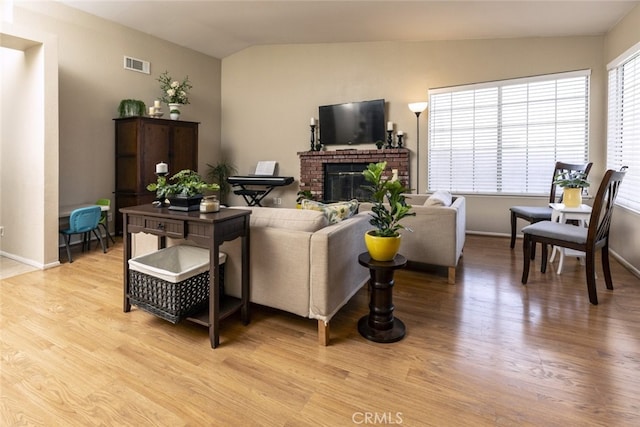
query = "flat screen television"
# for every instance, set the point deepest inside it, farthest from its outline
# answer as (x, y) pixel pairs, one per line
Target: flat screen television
(352, 123)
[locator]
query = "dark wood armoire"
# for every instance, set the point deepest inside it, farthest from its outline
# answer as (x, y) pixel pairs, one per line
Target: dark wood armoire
(141, 143)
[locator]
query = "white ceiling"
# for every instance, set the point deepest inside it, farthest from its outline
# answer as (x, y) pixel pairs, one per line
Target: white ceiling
(221, 28)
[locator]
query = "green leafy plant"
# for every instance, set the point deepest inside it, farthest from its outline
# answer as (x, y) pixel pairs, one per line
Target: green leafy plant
(571, 179)
(386, 217)
(304, 195)
(219, 173)
(131, 108)
(173, 91)
(186, 183)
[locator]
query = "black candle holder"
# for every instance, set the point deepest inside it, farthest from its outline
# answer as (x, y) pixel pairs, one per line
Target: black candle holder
(389, 139)
(313, 137)
(400, 136)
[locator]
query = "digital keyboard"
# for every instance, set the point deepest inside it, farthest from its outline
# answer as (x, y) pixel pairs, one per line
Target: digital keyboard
(254, 196)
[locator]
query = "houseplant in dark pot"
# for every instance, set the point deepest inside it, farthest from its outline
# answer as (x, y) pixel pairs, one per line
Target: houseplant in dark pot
(573, 184)
(389, 208)
(184, 190)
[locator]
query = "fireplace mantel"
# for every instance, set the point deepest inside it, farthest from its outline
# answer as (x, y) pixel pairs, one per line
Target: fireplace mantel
(312, 165)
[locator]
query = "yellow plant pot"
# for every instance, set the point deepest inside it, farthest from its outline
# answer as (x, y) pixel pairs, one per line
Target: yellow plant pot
(572, 197)
(382, 248)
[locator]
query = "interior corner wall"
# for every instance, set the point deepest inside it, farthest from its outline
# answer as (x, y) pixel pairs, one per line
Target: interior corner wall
(625, 227)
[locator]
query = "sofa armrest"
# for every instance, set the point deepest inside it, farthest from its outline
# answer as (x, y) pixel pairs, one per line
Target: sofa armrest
(416, 199)
(279, 268)
(438, 232)
(335, 273)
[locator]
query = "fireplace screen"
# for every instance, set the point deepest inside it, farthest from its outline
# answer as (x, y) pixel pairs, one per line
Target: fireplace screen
(344, 181)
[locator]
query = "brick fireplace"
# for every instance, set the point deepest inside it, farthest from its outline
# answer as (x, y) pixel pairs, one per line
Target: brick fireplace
(313, 165)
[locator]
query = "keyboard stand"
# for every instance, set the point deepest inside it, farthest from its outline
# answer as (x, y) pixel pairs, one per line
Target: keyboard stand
(254, 196)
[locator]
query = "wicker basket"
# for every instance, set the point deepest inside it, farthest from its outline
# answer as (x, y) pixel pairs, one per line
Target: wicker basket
(173, 282)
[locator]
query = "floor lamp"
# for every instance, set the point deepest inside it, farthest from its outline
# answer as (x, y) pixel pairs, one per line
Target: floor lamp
(417, 108)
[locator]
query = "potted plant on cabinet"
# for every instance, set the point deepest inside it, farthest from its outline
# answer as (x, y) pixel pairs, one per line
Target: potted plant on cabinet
(383, 241)
(131, 108)
(573, 184)
(184, 190)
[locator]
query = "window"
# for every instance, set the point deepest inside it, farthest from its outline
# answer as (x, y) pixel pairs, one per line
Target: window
(505, 137)
(623, 126)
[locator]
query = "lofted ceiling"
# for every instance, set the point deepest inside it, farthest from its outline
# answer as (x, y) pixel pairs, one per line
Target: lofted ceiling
(221, 28)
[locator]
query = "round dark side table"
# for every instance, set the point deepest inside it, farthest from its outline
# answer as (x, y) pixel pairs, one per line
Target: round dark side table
(380, 325)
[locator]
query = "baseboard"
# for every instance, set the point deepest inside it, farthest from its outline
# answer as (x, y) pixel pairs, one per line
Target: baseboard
(22, 260)
(625, 263)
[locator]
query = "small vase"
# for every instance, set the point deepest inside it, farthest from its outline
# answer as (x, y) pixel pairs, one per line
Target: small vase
(174, 111)
(572, 197)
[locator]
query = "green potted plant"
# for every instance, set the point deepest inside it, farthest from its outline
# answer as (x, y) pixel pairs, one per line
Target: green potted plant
(219, 173)
(573, 184)
(131, 108)
(184, 190)
(389, 208)
(303, 195)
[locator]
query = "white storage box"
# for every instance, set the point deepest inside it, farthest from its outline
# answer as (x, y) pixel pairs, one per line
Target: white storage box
(172, 282)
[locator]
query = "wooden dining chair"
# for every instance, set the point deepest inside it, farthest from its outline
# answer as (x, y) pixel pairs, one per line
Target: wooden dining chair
(584, 239)
(533, 214)
(83, 221)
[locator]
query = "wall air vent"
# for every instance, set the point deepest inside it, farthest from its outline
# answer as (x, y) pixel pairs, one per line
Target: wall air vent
(138, 65)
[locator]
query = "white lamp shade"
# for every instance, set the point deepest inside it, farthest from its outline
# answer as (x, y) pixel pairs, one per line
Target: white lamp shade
(418, 107)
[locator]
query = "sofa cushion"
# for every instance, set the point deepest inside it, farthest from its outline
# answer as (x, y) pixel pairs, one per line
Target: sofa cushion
(290, 219)
(334, 212)
(439, 198)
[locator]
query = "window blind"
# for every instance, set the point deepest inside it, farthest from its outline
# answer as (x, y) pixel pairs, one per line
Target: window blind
(505, 137)
(623, 126)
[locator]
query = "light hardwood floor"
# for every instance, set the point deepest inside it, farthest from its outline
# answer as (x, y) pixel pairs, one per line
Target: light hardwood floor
(486, 351)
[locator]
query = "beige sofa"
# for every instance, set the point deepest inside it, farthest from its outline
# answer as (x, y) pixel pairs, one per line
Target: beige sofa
(299, 263)
(438, 233)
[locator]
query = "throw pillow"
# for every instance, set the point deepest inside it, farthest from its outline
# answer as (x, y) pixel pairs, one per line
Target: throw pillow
(439, 198)
(335, 212)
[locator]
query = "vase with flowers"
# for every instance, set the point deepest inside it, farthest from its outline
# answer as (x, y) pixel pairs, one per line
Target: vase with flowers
(174, 93)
